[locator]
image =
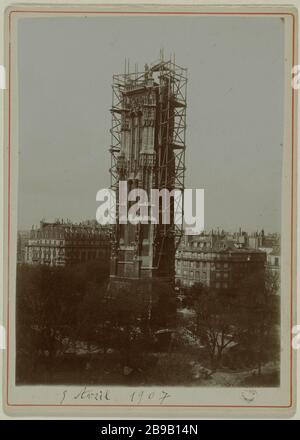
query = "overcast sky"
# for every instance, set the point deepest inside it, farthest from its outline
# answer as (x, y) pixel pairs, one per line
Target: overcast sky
(235, 111)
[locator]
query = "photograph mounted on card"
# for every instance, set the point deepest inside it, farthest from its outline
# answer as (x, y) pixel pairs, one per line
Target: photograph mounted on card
(150, 208)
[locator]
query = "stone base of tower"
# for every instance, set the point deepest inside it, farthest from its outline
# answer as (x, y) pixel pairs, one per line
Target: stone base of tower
(126, 269)
(132, 271)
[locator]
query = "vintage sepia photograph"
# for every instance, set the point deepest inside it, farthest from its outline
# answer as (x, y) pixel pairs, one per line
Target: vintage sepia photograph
(152, 153)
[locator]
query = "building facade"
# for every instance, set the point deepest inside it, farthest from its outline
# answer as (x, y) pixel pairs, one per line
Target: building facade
(64, 243)
(22, 241)
(274, 260)
(216, 262)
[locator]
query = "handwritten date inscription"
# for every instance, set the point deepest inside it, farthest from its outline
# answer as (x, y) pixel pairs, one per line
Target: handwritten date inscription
(138, 397)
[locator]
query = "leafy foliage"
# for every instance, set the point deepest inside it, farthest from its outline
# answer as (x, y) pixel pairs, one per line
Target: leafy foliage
(64, 310)
(242, 321)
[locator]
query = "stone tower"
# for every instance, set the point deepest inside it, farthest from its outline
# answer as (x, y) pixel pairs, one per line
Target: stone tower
(148, 152)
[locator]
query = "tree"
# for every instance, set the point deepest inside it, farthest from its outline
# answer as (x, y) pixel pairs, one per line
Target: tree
(93, 320)
(245, 318)
(128, 314)
(272, 282)
(258, 315)
(163, 306)
(215, 324)
(137, 311)
(48, 313)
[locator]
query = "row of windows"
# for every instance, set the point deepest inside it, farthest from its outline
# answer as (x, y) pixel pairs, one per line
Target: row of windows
(40, 254)
(273, 261)
(193, 264)
(48, 242)
(219, 275)
(190, 283)
(77, 256)
(69, 243)
(42, 238)
(191, 274)
(193, 254)
(222, 285)
(201, 264)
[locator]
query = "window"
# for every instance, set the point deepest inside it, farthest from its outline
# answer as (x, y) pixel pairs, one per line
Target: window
(218, 285)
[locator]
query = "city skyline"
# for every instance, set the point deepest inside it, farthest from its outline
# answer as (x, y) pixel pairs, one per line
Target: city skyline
(206, 231)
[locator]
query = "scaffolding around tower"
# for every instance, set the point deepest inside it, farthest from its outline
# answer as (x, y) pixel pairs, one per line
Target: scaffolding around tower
(148, 142)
